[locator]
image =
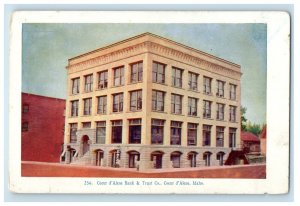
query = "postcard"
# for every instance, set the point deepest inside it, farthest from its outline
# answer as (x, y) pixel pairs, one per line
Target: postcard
(147, 102)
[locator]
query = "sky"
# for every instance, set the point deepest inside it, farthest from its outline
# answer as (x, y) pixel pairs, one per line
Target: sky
(46, 49)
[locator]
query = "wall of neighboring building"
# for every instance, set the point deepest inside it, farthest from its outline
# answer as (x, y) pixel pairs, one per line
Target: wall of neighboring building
(42, 139)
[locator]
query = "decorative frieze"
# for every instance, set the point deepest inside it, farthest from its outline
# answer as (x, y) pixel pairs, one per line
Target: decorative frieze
(158, 49)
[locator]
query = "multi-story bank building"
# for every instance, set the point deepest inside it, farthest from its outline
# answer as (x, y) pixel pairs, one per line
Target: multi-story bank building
(149, 102)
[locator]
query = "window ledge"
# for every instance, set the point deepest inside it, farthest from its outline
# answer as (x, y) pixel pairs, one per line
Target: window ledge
(159, 111)
(160, 83)
(208, 118)
(194, 91)
(131, 83)
(134, 111)
(177, 114)
(117, 86)
(221, 120)
(193, 116)
(208, 94)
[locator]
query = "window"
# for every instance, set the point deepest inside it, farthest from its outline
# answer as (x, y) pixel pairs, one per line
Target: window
(119, 76)
(220, 88)
(206, 135)
(232, 113)
(192, 106)
(73, 131)
(175, 133)
(206, 158)
(74, 108)
(100, 132)
(88, 84)
(102, 105)
(232, 91)
(136, 100)
(177, 77)
(206, 109)
(25, 108)
(75, 86)
(87, 106)
(158, 72)
(193, 81)
(157, 131)
(136, 72)
(232, 137)
(135, 126)
(220, 137)
(86, 124)
(176, 104)
(192, 134)
(116, 133)
(24, 126)
(102, 79)
(207, 85)
(220, 111)
(118, 102)
(158, 100)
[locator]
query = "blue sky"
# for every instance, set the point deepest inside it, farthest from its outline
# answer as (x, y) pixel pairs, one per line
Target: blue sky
(47, 48)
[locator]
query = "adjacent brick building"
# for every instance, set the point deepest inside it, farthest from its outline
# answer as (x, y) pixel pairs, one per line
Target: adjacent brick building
(150, 102)
(42, 128)
(250, 142)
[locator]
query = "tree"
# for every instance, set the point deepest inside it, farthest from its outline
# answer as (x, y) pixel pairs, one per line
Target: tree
(254, 128)
(243, 118)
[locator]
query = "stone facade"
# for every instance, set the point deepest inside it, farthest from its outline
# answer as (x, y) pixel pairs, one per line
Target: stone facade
(157, 104)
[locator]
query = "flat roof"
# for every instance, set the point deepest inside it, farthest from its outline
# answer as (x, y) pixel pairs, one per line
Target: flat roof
(158, 37)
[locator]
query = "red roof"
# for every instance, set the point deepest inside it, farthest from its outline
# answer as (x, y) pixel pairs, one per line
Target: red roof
(249, 137)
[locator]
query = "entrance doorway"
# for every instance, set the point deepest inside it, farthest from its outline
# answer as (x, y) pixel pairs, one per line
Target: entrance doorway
(220, 157)
(115, 158)
(72, 153)
(206, 158)
(175, 158)
(85, 144)
(99, 157)
(192, 159)
(156, 157)
(133, 156)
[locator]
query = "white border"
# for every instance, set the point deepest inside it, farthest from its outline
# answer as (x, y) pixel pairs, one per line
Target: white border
(278, 24)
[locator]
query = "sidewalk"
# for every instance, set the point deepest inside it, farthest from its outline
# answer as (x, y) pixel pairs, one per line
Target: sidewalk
(43, 169)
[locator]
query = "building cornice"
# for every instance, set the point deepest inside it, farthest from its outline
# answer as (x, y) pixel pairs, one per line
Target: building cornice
(148, 46)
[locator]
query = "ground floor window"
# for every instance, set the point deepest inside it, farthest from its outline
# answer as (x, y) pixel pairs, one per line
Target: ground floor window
(116, 133)
(100, 132)
(175, 133)
(192, 134)
(232, 137)
(135, 127)
(206, 135)
(220, 137)
(157, 131)
(73, 131)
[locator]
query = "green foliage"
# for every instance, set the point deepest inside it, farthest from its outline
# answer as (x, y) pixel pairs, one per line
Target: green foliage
(247, 126)
(243, 118)
(254, 128)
